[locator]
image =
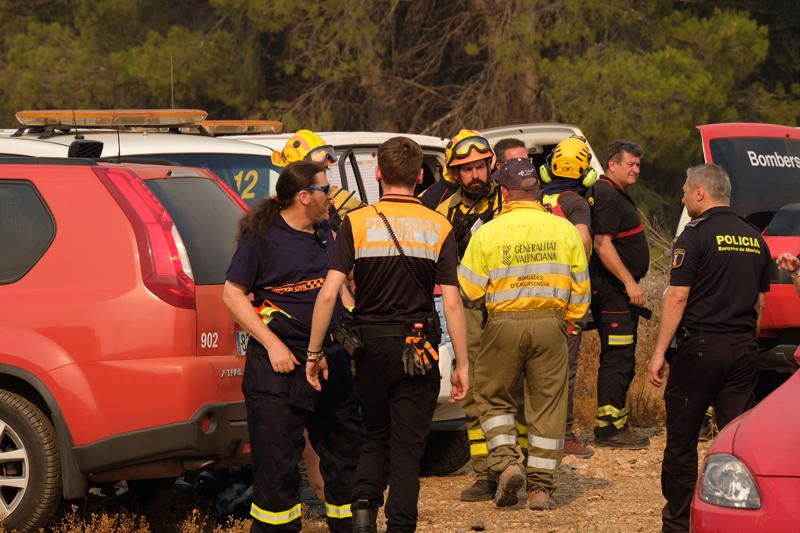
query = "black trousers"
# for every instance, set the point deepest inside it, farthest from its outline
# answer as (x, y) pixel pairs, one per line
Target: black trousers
(397, 412)
(718, 369)
(617, 323)
(279, 407)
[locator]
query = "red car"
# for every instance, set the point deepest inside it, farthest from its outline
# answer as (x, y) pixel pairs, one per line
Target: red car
(118, 359)
(751, 475)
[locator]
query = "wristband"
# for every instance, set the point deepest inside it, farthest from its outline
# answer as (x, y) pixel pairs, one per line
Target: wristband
(313, 357)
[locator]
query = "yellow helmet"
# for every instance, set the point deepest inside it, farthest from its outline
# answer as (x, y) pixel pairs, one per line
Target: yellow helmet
(466, 147)
(305, 144)
(570, 158)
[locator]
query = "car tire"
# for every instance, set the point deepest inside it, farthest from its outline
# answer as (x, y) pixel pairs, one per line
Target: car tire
(30, 469)
(445, 453)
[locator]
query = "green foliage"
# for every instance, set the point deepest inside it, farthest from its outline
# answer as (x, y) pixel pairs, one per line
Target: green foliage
(649, 70)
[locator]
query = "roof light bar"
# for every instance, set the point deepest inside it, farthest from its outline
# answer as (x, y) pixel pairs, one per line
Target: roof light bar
(111, 118)
(238, 127)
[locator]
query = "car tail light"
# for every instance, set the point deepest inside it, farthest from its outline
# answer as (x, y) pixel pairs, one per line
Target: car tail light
(166, 270)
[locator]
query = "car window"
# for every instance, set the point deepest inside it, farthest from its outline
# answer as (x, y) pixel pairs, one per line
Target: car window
(26, 229)
(786, 222)
(207, 220)
(252, 176)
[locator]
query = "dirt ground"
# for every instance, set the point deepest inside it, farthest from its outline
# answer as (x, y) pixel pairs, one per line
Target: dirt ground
(613, 491)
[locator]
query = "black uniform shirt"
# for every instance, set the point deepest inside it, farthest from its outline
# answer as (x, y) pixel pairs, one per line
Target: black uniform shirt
(285, 266)
(385, 291)
(614, 214)
(726, 263)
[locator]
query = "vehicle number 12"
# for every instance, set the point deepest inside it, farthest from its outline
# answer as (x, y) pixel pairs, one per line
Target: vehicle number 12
(209, 339)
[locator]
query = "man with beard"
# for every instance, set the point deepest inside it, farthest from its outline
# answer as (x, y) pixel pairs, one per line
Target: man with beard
(468, 161)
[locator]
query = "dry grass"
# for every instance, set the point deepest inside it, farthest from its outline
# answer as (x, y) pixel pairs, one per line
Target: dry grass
(644, 400)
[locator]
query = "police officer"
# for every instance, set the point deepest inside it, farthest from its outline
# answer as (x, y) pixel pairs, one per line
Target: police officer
(399, 250)
(477, 200)
(720, 272)
(621, 258)
(530, 268)
(281, 259)
(567, 178)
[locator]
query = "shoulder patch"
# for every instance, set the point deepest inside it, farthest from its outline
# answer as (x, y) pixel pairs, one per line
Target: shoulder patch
(677, 257)
(695, 221)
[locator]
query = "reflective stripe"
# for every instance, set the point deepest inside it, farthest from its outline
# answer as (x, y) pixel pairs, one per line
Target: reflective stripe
(522, 429)
(496, 421)
(501, 440)
(620, 340)
(471, 276)
(585, 298)
(710, 410)
(391, 251)
(601, 423)
(523, 442)
(610, 410)
(407, 229)
(545, 443)
(338, 511)
(620, 422)
(475, 434)
(268, 517)
(581, 276)
(528, 292)
(527, 270)
(478, 449)
(542, 462)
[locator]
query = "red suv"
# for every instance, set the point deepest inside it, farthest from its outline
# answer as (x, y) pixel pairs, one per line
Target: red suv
(118, 359)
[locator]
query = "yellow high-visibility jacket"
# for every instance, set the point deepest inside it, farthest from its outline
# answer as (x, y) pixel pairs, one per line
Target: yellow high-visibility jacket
(527, 259)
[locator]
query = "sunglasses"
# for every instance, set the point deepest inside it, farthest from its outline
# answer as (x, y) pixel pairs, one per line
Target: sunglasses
(465, 146)
(324, 188)
(321, 153)
(625, 147)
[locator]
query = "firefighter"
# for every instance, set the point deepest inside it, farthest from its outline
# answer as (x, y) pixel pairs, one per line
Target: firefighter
(281, 259)
(567, 179)
(305, 145)
(399, 250)
(720, 272)
(621, 258)
(477, 200)
(529, 266)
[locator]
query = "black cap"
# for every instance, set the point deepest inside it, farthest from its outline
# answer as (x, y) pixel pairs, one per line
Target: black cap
(518, 174)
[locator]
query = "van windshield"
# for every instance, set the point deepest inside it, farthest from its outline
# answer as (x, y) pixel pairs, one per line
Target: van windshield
(786, 222)
(207, 219)
(764, 171)
(252, 177)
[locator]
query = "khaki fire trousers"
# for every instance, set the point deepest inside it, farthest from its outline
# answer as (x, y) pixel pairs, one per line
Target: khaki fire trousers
(477, 441)
(532, 344)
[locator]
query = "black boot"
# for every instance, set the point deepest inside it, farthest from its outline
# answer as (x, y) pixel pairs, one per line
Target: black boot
(365, 516)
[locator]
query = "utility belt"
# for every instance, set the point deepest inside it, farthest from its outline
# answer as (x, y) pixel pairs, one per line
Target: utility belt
(685, 334)
(421, 340)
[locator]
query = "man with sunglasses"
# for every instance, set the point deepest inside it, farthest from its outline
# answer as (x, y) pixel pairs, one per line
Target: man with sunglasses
(305, 145)
(621, 258)
(468, 163)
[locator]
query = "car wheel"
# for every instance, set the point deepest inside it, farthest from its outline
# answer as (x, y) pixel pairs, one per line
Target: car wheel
(445, 453)
(30, 470)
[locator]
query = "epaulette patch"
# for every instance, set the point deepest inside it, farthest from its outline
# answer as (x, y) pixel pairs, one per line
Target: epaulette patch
(695, 221)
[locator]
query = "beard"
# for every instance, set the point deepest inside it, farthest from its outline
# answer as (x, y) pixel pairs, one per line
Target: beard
(475, 189)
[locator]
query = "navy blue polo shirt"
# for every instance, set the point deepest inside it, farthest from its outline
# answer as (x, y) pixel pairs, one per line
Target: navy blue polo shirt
(284, 266)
